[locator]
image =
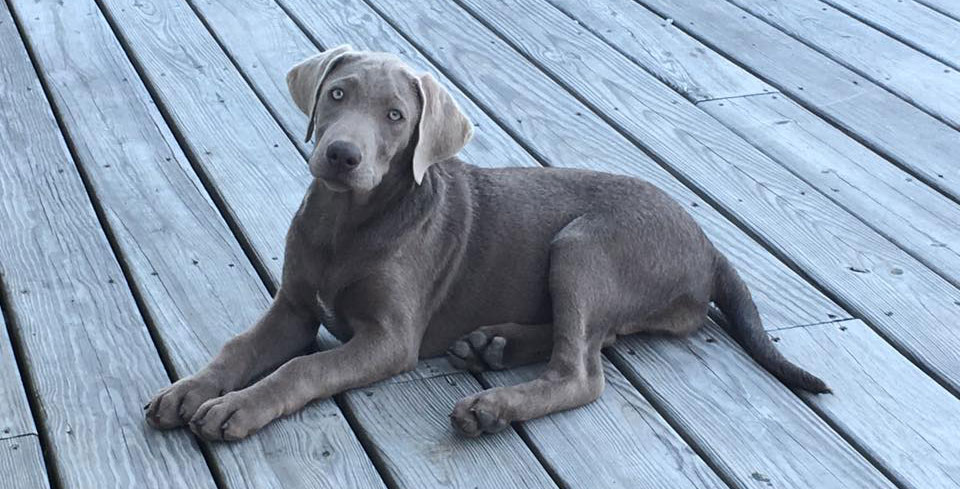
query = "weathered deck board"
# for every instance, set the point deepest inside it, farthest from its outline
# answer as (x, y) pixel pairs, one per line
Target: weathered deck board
(229, 135)
(950, 8)
(72, 306)
(913, 23)
(266, 65)
(21, 463)
(837, 250)
(918, 78)
(15, 417)
(906, 211)
(429, 454)
(664, 50)
(193, 278)
(897, 415)
(218, 115)
(879, 119)
(614, 442)
(756, 440)
(565, 133)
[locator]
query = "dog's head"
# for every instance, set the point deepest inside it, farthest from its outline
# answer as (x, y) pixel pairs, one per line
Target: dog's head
(372, 116)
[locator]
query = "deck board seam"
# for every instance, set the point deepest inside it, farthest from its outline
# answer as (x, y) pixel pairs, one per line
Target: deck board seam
(893, 34)
(812, 108)
(731, 97)
(840, 61)
(809, 325)
(21, 435)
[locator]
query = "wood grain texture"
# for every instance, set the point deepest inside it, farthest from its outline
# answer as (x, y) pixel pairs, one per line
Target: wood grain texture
(15, 417)
(21, 463)
(195, 282)
(613, 442)
(878, 118)
(835, 248)
(231, 136)
(950, 8)
(906, 211)
(913, 23)
(914, 76)
(567, 134)
(266, 43)
(910, 213)
(415, 443)
(757, 432)
(665, 51)
(894, 412)
(88, 351)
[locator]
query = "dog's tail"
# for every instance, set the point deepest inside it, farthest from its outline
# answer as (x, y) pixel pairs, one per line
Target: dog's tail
(733, 298)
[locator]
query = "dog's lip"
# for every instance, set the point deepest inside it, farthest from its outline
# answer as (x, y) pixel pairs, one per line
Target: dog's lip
(334, 185)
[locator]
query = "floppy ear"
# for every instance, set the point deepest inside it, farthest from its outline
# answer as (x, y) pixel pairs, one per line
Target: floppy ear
(444, 129)
(305, 78)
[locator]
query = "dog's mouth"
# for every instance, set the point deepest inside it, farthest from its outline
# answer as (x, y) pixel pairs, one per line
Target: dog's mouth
(334, 185)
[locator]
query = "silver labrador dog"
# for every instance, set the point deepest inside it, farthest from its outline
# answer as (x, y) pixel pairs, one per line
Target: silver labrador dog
(405, 252)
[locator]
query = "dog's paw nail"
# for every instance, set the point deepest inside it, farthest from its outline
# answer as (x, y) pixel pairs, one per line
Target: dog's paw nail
(146, 406)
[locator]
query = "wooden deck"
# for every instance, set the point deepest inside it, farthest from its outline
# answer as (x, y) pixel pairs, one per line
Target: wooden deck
(151, 159)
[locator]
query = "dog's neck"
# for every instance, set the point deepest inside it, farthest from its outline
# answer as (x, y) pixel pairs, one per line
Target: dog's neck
(340, 218)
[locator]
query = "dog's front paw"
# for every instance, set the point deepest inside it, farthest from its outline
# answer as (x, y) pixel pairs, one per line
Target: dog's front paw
(477, 352)
(175, 405)
(231, 417)
(480, 413)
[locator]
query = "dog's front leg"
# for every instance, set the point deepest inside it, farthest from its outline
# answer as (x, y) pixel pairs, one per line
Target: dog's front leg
(285, 330)
(369, 356)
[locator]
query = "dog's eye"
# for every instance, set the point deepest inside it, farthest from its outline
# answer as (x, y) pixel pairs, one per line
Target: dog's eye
(395, 115)
(336, 93)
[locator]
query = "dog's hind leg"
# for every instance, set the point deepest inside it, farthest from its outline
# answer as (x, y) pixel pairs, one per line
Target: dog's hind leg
(501, 346)
(574, 374)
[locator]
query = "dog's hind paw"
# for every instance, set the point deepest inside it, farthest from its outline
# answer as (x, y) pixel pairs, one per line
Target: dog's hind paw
(477, 352)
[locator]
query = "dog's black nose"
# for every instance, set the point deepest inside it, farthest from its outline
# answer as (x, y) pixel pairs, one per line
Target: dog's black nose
(343, 155)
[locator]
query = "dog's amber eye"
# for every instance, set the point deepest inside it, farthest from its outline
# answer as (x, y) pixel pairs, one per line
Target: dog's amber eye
(395, 115)
(336, 93)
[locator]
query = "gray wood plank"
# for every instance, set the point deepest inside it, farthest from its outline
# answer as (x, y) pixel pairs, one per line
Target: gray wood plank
(897, 415)
(565, 133)
(665, 51)
(755, 429)
(219, 116)
(918, 78)
(88, 351)
(15, 417)
(881, 120)
(196, 283)
(870, 274)
(21, 463)
(950, 8)
(910, 214)
(614, 442)
(913, 23)
(430, 454)
(907, 212)
(265, 43)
